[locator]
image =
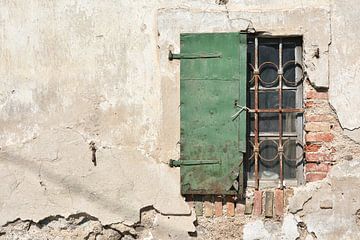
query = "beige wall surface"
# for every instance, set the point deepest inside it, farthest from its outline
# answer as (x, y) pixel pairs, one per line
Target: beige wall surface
(75, 72)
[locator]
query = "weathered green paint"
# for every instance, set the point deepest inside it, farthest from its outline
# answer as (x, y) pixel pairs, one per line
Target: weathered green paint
(209, 89)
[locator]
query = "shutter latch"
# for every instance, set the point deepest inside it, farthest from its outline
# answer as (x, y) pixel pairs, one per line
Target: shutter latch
(193, 56)
(241, 108)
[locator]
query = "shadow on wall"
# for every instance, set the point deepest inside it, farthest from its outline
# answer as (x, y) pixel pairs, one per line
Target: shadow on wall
(57, 179)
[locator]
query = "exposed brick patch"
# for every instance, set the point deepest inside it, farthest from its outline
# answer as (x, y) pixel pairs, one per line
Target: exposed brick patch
(320, 125)
(218, 206)
(318, 157)
(312, 147)
(319, 117)
(279, 203)
(319, 137)
(313, 94)
(317, 127)
(257, 203)
(208, 206)
(240, 209)
(310, 104)
(315, 167)
(230, 206)
(312, 177)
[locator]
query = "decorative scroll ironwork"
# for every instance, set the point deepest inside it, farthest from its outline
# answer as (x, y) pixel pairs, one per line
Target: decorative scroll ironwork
(257, 84)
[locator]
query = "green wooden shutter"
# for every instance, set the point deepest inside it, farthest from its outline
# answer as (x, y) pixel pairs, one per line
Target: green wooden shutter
(212, 79)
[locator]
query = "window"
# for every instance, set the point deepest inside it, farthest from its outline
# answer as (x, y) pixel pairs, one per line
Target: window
(275, 147)
(230, 83)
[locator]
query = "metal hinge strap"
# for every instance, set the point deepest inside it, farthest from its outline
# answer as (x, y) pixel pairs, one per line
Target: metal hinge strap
(193, 56)
(178, 163)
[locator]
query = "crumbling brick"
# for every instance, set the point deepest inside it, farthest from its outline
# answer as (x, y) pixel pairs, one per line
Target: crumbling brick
(312, 147)
(312, 177)
(257, 203)
(318, 157)
(319, 117)
(315, 167)
(208, 206)
(312, 94)
(218, 206)
(317, 127)
(230, 206)
(279, 203)
(319, 137)
(240, 209)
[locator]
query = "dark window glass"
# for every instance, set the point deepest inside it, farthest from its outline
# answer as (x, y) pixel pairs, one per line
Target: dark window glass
(268, 98)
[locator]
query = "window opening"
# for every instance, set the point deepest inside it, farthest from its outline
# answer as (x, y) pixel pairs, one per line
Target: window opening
(275, 128)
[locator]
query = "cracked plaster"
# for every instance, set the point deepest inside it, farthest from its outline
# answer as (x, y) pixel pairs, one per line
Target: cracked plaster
(70, 74)
(80, 71)
(306, 218)
(344, 70)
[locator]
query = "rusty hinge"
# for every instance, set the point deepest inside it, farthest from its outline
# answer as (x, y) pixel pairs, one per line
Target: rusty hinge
(178, 163)
(193, 55)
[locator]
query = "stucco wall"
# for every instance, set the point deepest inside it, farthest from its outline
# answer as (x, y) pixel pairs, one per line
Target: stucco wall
(72, 72)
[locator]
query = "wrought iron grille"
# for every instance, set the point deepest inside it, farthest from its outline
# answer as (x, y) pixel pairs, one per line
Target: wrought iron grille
(275, 109)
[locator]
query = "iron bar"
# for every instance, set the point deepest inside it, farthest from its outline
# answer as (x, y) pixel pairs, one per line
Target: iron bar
(280, 145)
(274, 134)
(269, 89)
(256, 120)
(277, 110)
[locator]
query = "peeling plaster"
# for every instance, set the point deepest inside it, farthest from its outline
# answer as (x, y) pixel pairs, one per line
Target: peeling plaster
(307, 214)
(72, 73)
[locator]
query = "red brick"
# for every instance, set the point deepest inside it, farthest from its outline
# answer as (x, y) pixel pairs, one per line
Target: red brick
(279, 203)
(230, 206)
(257, 203)
(218, 206)
(318, 117)
(309, 104)
(240, 209)
(317, 95)
(317, 127)
(319, 137)
(208, 206)
(314, 167)
(312, 177)
(312, 147)
(317, 157)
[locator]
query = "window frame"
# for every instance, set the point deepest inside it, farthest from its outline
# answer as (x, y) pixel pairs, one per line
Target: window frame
(299, 121)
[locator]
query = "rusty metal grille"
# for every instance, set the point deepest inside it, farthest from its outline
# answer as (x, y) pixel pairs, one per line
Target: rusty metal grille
(275, 109)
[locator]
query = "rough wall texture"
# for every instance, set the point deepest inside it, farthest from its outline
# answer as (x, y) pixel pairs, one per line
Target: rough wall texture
(76, 72)
(344, 70)
(328, 209)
